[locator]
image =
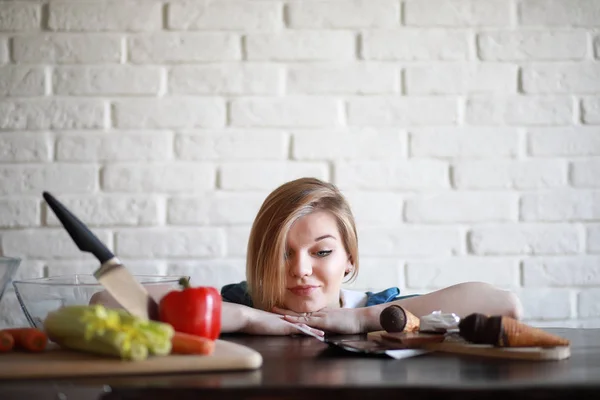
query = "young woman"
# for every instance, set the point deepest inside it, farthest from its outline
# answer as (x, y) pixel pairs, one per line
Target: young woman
(302, 246)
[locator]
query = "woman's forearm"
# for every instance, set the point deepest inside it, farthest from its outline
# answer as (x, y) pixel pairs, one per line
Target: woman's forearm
(233, 317)
(461, 299)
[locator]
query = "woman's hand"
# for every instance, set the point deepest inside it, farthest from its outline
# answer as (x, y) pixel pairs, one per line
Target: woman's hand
(260, 322)
(334, 320)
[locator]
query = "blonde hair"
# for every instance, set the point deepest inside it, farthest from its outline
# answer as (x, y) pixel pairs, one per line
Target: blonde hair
(265, 262)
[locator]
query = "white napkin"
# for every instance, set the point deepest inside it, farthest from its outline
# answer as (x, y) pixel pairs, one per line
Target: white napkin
(438, 322)
(406, 353)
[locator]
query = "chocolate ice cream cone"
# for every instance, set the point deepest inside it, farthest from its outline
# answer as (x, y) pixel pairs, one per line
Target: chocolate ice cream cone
(503, 331)
(398, 319)
(518, 334)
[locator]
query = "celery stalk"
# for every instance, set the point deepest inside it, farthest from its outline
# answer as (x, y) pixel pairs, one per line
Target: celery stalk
(93, 346)
(108, 331)
(138, 351)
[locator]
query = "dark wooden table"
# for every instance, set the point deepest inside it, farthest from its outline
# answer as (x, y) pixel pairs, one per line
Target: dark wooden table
(304, 368)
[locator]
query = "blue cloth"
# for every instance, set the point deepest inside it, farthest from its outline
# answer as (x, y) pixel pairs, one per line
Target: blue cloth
(385, 296)
(238, 293)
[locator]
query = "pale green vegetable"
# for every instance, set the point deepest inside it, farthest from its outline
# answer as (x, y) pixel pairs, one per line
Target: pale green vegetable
(112, 332)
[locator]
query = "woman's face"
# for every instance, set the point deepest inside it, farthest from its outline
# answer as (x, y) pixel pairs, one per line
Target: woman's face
(316, 263)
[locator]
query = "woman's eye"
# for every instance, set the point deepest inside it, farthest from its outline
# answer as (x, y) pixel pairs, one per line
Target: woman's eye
(323, 253)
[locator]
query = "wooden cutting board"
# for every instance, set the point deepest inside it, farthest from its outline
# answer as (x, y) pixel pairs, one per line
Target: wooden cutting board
(57, 363)
(428, 342)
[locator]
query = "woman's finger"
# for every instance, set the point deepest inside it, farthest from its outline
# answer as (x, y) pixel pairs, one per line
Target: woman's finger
(295, 319)
(313, 330)
(282, 311)
(307, 330)
(294, 328)
(308, 320)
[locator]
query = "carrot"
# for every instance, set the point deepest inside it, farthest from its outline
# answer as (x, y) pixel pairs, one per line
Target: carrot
(6, 342)
(185, 343)
(30, 339)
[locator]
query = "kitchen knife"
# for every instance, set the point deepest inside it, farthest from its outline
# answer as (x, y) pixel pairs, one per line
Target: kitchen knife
(112, 274)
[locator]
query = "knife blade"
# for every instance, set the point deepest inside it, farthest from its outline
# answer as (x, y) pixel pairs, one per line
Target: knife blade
(111, 274)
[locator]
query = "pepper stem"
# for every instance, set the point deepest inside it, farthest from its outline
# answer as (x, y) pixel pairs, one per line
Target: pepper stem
(184, 282)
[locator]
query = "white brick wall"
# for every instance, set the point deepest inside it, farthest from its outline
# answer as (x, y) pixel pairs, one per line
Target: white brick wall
(572, 78)
(519, 110)
(402, 111)
(561, 271)
(63, 48)
(559, 12)
(415, 45)
(21, 81)
(175, 242)
(294, 111)
(526, 174)
(225, 15)
(457, 13)
(176, 47)
(60, 113)
(462, 207)
(20, 17)
(169, 112)
(536, 239)
(301, 45)
(441, 273)
(106, 80)
(459, 78)
(3, 50)
(591, 109)
(129, 16)
(226, 78)
(527, 44)
(25, 147)
(465, 133)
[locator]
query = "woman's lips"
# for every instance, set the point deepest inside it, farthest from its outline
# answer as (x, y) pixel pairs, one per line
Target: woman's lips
(303, 290)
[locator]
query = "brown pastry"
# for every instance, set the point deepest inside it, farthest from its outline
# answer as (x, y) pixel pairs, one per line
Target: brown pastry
(504, 331)
(397, 319)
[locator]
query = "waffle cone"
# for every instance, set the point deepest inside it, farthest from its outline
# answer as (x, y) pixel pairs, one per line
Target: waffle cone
(413, 323)
(518, 334)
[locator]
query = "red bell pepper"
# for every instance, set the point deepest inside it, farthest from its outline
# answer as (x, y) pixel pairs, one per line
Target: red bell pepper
(193, 310)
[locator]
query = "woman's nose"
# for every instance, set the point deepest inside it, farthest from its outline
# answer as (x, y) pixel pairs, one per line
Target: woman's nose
(300, 265)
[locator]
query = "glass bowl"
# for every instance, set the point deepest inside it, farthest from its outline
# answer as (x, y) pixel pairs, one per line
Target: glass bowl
(37, 297)
(8, 267)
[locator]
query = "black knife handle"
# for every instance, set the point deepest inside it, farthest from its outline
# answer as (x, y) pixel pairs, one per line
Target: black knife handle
(81, 235)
